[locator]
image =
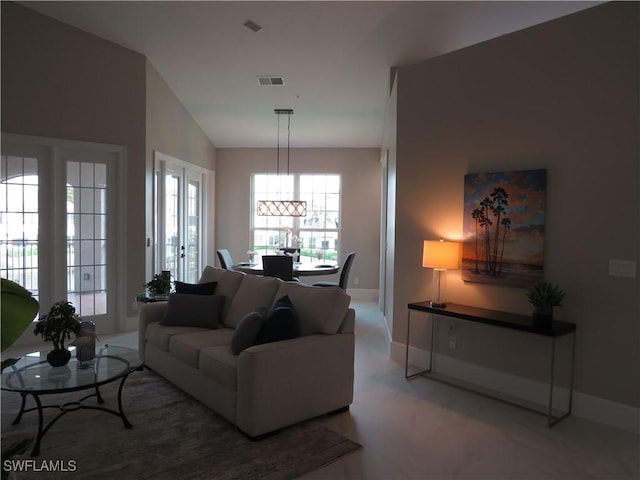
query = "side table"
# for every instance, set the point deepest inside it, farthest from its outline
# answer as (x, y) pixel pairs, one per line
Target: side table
(498, 319)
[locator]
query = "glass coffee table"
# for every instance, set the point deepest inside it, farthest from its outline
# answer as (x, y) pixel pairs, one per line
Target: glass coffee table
(32, 375)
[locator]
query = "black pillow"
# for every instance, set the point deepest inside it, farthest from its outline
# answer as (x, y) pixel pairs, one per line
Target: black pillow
(281, 323)
(247, 331)
(196, 288)
(187, 310)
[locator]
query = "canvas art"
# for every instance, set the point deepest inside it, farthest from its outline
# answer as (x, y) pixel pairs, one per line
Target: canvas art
(504, 227)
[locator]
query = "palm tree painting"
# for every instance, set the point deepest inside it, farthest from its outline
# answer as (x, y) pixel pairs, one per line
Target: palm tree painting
(504, 227)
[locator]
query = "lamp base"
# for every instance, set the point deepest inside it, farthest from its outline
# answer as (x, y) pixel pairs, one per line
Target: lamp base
(435, 304)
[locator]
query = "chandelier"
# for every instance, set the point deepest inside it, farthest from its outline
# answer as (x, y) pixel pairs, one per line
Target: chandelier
(283, 208)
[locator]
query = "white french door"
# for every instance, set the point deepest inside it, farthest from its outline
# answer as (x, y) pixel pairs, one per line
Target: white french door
(59, 235)
(179, 234)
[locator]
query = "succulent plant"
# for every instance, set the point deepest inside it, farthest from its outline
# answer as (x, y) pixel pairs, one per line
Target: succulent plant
(545, 294)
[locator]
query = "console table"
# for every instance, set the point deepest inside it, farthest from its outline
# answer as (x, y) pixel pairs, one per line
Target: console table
(498, 319)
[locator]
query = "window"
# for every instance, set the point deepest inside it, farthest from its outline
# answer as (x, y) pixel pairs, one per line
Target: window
(58, 223)
(19, 221)
(317, 234)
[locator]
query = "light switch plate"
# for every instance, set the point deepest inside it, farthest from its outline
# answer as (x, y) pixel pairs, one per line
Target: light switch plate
(622, 268)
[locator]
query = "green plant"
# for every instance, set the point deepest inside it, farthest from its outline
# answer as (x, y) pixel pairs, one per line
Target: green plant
(545, 294)
(160, 283)
(58, 324)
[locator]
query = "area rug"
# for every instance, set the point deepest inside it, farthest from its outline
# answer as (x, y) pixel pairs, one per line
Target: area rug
(174, 437)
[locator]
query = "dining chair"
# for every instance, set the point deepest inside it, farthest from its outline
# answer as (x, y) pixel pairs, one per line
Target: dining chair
(344, 275)
(280, 266)
(226, 261)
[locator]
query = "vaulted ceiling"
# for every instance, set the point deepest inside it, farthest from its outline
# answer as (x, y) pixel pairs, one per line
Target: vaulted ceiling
(335, 57)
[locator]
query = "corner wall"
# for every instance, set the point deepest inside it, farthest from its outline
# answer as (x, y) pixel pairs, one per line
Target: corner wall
(562, 96)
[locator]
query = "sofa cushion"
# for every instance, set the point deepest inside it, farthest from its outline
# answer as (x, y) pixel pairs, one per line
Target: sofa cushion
(187, 310)
(320, 309)
(186, 346)
(281, 323)
(246, 332)
(255, 293)
(228, 283)
(221, 365)
(196, 288)
(159, 335)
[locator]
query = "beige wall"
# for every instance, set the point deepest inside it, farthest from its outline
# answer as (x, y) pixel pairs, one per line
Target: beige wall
(561, 96)
(171, 130)
(360, 170)
(61, 82)
(58, 81)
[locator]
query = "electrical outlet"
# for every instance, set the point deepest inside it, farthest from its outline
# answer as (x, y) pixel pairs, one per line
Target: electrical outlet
(356, 281)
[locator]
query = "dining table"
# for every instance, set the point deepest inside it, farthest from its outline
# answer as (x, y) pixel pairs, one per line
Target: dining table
(300, 269)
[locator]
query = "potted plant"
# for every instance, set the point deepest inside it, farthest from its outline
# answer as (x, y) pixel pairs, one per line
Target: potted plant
(160, 284)
(56, 326)
(544, 296)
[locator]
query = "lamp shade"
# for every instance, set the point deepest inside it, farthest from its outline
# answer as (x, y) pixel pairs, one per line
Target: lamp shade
(440, 254)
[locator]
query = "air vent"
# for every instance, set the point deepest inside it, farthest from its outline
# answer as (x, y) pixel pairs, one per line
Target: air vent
(253, 26)
(271, 80)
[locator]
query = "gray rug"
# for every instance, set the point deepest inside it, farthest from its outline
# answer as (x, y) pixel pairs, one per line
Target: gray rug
(174, 437)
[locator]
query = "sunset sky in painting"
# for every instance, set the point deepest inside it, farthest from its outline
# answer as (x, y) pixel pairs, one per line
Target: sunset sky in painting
(526, 209)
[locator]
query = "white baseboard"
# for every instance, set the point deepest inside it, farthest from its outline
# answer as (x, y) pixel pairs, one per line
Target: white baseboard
(586, 406)
(363, 294)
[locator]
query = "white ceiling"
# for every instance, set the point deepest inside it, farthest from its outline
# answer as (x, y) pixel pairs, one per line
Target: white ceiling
(335, 56)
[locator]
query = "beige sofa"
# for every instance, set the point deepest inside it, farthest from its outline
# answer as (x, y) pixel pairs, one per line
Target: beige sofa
(265, 387)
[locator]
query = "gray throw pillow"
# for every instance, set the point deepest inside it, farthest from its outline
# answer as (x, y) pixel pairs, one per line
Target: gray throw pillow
(246, 332)
(281, 323)
(188, 310)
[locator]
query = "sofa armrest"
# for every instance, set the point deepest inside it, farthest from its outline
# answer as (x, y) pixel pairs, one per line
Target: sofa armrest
(148, 313)
(283, 383)
(349, 322)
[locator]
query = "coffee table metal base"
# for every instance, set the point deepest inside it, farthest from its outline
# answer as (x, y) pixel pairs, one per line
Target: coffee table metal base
(69, 407)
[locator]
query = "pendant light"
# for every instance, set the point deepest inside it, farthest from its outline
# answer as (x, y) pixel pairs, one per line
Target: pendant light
(283, 208)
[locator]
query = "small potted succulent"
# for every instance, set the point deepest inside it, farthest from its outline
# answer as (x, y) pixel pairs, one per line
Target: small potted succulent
(160, 284)
(544, 296)
(56, 326)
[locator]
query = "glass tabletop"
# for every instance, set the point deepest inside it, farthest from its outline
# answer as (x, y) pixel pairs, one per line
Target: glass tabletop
(32, 373)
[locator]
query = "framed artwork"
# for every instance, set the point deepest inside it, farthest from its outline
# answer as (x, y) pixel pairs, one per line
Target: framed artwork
(504, 227)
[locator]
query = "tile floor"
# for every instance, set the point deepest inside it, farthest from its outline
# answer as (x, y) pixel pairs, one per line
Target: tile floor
(421, 429)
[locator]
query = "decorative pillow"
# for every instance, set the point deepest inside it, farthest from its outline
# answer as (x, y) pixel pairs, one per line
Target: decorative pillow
(196, 288)
(281, 323)
(255, 292)
(247, 331)
(188, 310)
(320, 309)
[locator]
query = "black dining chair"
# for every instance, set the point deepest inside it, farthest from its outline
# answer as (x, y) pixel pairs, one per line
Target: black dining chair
(226, 261)
(344, 275)
(280, 266)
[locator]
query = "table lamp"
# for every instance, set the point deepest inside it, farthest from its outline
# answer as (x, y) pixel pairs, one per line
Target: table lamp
(441, 256)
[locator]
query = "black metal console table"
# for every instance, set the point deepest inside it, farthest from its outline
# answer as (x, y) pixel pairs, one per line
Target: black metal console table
(499, 319)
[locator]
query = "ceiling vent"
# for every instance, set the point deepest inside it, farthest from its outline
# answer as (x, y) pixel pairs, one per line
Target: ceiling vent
(271, 80)
(253, 26)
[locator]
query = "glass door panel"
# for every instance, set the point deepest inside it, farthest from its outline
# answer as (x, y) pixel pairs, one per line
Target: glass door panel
(19, 217)
(192, 262)
(86, 208)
